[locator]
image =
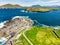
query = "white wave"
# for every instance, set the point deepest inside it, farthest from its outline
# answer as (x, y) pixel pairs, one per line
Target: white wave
(22, 11)
(20, 17)
(2, 24)
(56, 27)
(2, 39)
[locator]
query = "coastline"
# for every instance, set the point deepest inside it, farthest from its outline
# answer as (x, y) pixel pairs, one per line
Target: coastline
(21, 17)
(27, 17)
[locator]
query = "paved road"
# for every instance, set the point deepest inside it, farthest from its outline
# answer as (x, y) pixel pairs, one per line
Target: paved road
(26, 37)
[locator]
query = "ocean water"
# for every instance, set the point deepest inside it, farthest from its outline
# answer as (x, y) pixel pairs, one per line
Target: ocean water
(51, 18)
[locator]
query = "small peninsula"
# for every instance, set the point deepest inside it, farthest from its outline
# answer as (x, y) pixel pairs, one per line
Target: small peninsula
(33, 9)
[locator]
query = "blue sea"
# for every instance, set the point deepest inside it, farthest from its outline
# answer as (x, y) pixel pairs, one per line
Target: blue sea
(51, 18)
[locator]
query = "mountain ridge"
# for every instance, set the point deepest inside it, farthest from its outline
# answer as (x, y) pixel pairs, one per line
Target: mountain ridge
(10, 6)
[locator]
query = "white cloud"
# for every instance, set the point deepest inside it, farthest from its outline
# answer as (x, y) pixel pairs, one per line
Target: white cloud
(50, 2)
(31, 2)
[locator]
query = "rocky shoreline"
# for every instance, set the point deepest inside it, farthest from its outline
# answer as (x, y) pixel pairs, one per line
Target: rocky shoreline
(11, 27)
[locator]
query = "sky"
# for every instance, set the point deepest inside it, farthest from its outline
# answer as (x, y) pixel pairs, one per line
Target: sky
(31, 2)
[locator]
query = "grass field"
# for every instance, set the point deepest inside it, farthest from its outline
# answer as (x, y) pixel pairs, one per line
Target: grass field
(42, 36)
(39, 36)
(58, 32)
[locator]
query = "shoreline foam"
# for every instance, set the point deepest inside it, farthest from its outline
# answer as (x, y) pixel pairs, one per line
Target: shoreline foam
(2, 24)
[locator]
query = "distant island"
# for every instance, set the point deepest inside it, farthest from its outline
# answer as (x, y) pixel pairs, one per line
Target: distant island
(40, 9)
